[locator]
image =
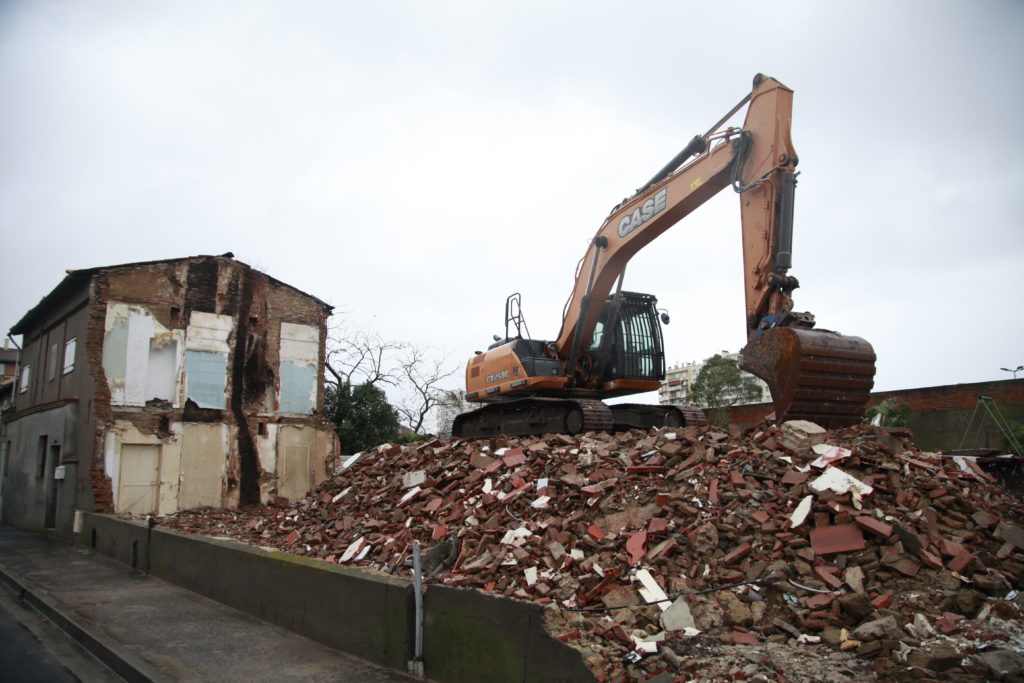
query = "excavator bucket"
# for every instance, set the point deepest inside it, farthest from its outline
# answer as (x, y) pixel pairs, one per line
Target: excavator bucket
(814, 375)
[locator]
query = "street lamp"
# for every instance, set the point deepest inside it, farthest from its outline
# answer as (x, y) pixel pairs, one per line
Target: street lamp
(1014, 370)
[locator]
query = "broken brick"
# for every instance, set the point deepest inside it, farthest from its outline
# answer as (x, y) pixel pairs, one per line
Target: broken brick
(842, 538)
(874, 526)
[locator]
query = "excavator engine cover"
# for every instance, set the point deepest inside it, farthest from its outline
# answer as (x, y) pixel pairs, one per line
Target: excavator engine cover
(814, 375)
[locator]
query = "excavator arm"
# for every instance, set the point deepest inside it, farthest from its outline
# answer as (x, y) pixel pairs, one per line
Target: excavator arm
(756, 157)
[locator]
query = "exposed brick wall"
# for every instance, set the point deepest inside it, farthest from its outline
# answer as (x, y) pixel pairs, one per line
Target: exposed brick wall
(939, 416)
(956, 396)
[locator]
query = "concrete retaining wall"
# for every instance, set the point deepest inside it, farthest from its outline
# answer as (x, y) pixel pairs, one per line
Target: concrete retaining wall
(468, 636)
(125, 541)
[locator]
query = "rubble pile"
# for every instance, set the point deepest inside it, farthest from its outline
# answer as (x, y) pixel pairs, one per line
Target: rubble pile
(660, 551)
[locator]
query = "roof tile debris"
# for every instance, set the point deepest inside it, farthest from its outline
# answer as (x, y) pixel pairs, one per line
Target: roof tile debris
(658, 550)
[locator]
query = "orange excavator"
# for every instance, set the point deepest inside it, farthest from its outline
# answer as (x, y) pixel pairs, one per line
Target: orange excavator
(610, 343)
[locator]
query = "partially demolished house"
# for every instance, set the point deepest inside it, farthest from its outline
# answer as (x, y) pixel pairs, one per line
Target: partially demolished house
(154, 387)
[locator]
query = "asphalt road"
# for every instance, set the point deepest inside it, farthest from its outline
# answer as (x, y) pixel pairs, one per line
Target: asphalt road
(33, 650)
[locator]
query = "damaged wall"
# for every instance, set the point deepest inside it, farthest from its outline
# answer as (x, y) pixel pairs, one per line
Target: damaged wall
(245, 350)
(201, 385)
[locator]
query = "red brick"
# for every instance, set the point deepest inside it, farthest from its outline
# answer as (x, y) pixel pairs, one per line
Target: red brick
(792, 477)
(737, 553)
(819, 600)
(907, 567)
(828, 577)
(930, 559)
(874, 526)
(961, 562)
(657, 525)
(950, 548)
(739, 638)
(841, 538)
(882, 601)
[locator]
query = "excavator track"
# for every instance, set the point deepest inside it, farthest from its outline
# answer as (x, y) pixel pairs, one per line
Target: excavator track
(814, 375)
(529, 416)
(646, 416)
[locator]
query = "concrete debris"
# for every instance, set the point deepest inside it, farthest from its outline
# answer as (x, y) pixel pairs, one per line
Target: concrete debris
(659, 555)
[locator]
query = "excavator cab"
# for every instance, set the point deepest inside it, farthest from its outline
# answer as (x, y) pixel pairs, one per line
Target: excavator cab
(627, 342)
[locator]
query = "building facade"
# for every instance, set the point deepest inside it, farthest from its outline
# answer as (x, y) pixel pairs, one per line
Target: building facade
(149, 388)
(675, 388)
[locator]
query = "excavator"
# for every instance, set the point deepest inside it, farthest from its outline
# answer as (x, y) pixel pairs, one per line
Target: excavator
(611, 344)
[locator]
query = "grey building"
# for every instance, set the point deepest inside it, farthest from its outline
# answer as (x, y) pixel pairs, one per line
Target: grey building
(154, 387)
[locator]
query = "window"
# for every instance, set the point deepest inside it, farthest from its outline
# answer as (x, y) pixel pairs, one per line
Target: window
(69, 355)
(51, 363)
(23, 387)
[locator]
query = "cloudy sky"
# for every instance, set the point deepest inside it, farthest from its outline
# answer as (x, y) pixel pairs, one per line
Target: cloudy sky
(413, 163)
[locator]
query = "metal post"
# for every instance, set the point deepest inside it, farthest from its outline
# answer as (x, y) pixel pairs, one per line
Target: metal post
(416, 665)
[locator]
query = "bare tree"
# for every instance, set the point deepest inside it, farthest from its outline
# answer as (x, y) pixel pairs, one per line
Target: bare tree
(412, 373)
(421, 378)
(357, 357)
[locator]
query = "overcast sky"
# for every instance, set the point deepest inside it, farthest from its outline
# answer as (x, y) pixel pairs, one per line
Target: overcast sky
(413, 163)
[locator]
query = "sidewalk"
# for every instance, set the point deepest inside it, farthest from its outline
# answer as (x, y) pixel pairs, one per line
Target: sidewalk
(148, 630)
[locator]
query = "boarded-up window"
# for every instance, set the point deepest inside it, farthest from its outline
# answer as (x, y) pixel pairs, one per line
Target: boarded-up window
(207, 374)
(140, 356)
(206, 359)
(300, 352)
(24, 379)
(69, 355)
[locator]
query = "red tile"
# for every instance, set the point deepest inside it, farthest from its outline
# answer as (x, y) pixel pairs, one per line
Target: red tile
(841, 538)
(636, 547)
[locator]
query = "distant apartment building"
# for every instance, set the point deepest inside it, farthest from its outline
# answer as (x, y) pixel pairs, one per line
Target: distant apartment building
(154, 387)
(675, 388)
(451, 405)
(8, 362)
(8, 371)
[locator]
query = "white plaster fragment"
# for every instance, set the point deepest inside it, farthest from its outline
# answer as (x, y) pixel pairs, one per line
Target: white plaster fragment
(803, 509)
(531, 575)
(651, 591)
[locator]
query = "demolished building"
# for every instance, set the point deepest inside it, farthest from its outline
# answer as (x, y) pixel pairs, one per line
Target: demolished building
(654, 553)
(161, 386)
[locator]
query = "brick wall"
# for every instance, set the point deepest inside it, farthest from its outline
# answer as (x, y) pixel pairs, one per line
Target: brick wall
(1006, 393)
(939, 416)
